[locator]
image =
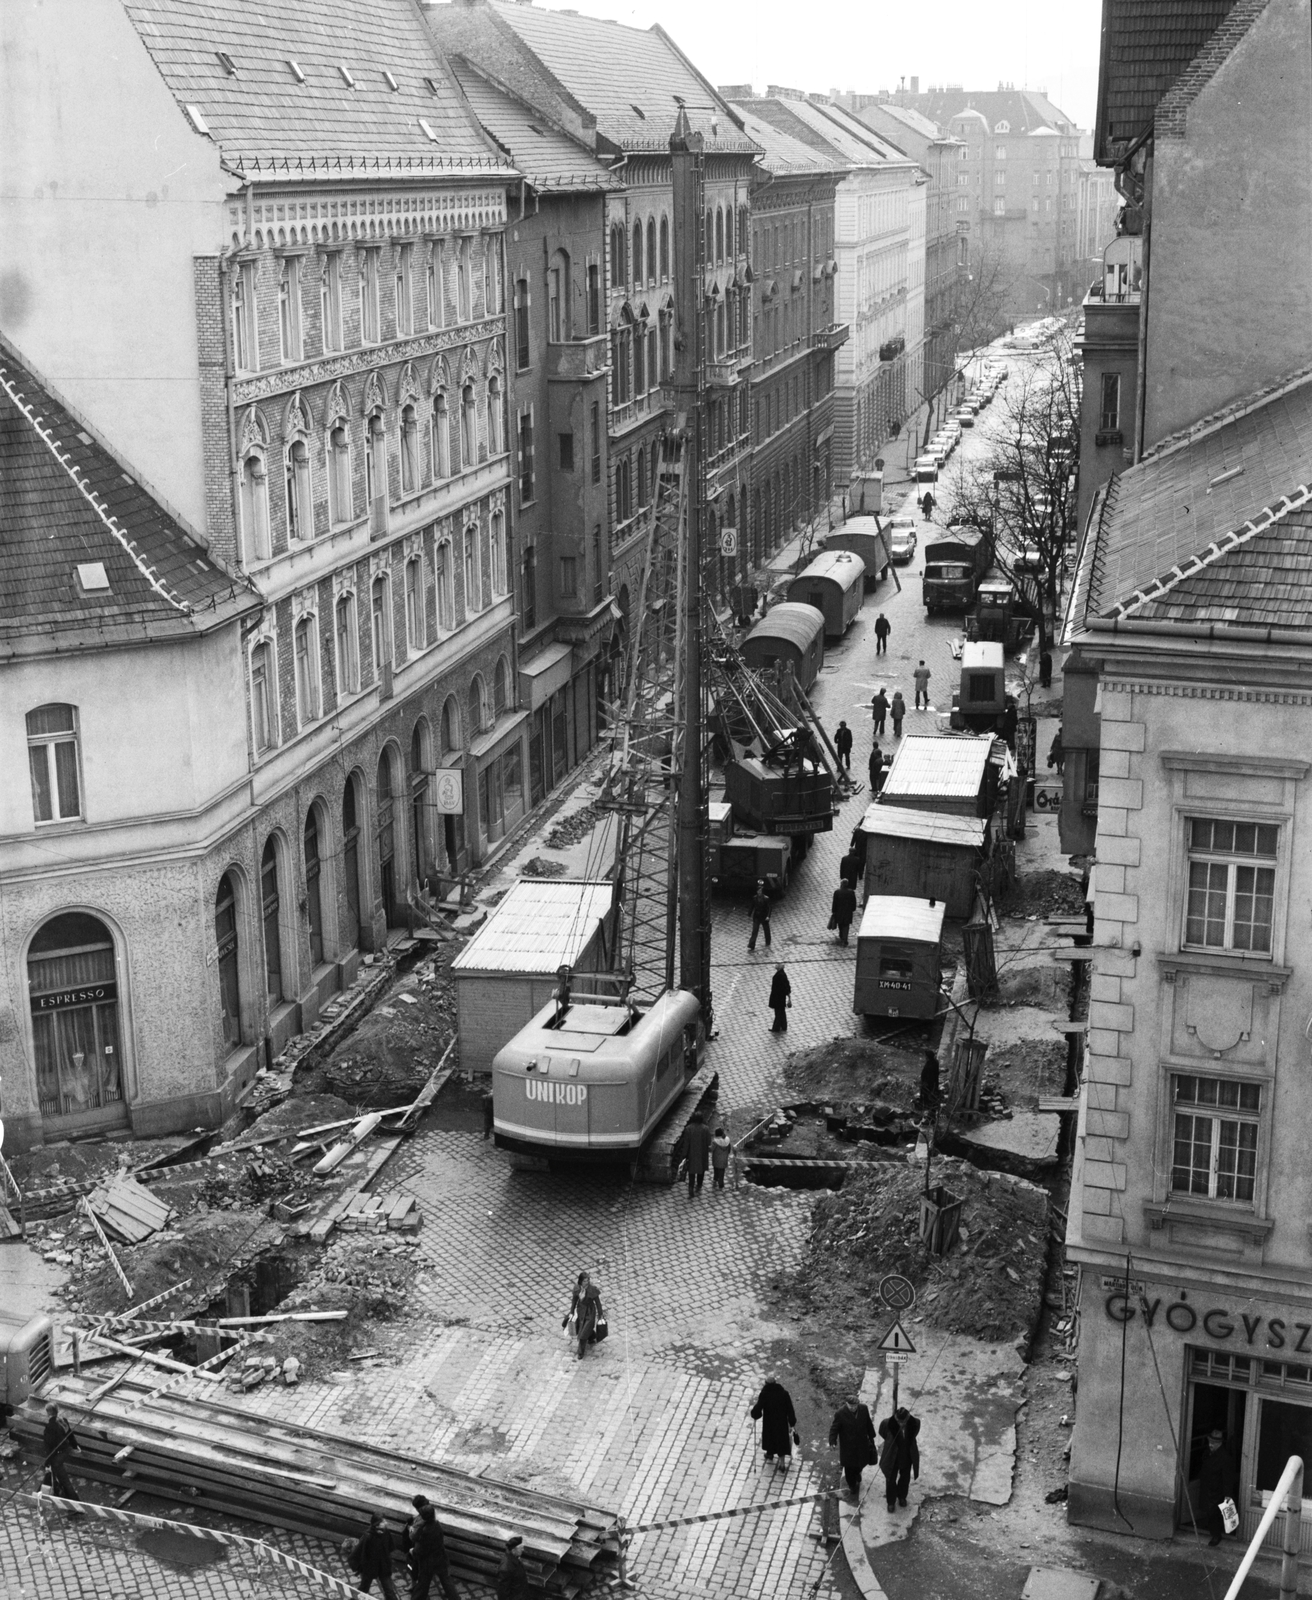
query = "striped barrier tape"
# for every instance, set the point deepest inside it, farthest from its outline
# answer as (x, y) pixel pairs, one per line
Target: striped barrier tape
(733, 1511)
(176, 1327)
(257, 1547)
(130, 1315)
(816, 1163)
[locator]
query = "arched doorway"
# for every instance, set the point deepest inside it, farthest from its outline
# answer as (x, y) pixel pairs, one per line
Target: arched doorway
(351, 858)
(225, 938)
(421, 762)
(72, 979)
(270, 912)
(313, 885)
(387, 837)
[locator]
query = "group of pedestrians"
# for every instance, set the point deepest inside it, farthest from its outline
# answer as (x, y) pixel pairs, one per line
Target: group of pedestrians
(895, 1449)
(370, 1558)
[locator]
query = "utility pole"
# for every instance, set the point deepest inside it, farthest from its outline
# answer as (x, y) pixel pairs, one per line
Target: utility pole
(690, 245)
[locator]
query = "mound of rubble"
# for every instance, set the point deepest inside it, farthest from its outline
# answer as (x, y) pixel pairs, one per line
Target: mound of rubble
(1045, 894)
(989, 1287)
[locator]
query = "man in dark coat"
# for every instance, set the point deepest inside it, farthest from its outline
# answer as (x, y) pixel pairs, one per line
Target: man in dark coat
(883, 627)
(929, 1084)
(428, 1557)
(897, 710)
(879, 709)
(760, 915)
(512, 1579)
(774, 1408)
(697, 1153)
(876, 769)
(59, 1439)
(373, 1559)
(899, 1456)
(843, 908)
(850, 866)
(843, 745)
(854, 1434)
(1217, 1481)
(781, 998)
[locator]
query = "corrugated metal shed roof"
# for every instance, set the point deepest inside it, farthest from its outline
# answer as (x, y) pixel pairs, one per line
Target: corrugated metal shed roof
(950, 765)
(938, 827)
(898, 916)
(790, 620)
(542, 924)
(843, 567)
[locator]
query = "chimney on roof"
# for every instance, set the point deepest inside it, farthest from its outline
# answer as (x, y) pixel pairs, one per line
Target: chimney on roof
(737, 91)
(915, 85)
(777, 91)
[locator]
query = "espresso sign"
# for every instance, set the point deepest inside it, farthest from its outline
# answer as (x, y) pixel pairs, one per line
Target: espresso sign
(87, 994)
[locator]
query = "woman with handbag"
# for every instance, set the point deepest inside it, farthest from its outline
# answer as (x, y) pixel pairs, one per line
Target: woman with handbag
(586, 1314)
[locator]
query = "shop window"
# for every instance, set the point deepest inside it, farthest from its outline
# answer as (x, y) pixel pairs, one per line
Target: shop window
(1215, 1137)
(53, 761)
(351, 857)
(72, 979)
(270, 912)
(1231, 896)
(386, 791)
(314, 885)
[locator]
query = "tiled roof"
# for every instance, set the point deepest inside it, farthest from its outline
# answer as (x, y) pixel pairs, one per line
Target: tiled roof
(548, 157)
(1146, 45)
(915, 120)
(67, 502)
(948, 765)
(1023, 109)
(258, 112)
(782, 154)
(806, 122)
(1214, 525)
(630, 79)
(539, 926)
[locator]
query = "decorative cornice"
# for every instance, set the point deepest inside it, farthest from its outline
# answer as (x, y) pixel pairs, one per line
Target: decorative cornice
(347, 363)
(1209, 691)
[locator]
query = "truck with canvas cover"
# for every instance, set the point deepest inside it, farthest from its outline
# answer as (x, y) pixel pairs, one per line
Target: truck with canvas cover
(953, 569)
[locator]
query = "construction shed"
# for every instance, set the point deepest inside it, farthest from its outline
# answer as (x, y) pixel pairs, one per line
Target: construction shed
(899, 957)
(928, 855)
(791, 633)
(835, 584)
(507, 972)
(943, 772)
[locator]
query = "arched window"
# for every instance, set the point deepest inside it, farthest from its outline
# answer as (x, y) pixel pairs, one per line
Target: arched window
(375, 470)
(440, 438)
(444, 579)
(450, 726)
(496, 432)
(666, 320)
(52, 758)
(72, 978)
(341, 502)
(306, 652)
(255, 507)
(473, 574)
(351, 857)
(421, 829)
(665, 248)
(468, 429)
(500, 555)
(742, 230)
(639, 361)
(300, 499)
(719, 233)
(477, 705)
(617, 273)
(270, 912)
(313, 852)
(409, 450)
(387, 836)
(558, 298)
(651, 249)
(501, 688)
(728, 233)
(637, 253)
(719, 328)
(380, 606)
(653, 358)
(346, 634)
(264, 697)
(416, 631)
(708, 237)
(642, 477)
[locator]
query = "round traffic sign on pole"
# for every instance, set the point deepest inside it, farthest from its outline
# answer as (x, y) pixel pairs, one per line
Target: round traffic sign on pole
(897, 1293)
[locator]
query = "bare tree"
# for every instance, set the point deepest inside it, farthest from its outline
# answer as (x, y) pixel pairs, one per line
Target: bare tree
(978, 316)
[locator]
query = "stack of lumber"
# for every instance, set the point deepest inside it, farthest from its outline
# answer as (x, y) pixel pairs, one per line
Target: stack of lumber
(322, 1485)
(128, 1210)
(376, 1213)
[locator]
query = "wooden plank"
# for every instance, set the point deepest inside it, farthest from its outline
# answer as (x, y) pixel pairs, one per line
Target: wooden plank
(1081, 1026)
(1060, 1104)
(9, 1229)
(1082, 952)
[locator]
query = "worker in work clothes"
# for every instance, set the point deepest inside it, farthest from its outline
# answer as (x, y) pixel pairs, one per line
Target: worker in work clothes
(883, 627)
(428, 1554)
(842, 909)
(373, 1559)
(879, 710)
(774, 1408)
(59, 1439)
(512, 1579)
(760, 915)
(843, 745)
(1217, 1481)
(854, 1434)
(921, 677)
(696, 1153)
(781, 998)
(897, 711)
(899, 1455)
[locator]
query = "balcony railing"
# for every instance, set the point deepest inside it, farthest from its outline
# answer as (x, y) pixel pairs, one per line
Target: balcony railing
(579, 359)
(831, 337)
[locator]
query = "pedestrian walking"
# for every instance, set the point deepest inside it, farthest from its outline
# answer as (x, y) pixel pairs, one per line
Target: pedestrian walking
(428, 1556)
(842, 909)
(879, 710)
(883, 627)
(774, 1411)
(854, 1434)
(696, 1153)
(850, 865)
(590, 1325)
(512, 1579)
(1057, 753)
(370, 1558)
(781, 999)
(59, 1440)
(921, 677)
(899, 1455)
(760, 915)
(721, 1150)
(876, 770)
(927, 505)
(1217, 1481)
(843, 745)
(897, 711)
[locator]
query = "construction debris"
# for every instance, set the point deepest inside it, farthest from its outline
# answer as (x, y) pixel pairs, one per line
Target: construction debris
(376, 1213)
(128, 1210)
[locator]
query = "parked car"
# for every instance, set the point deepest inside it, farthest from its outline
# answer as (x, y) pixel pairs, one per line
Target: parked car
(945, 442)
(964, 417)
(901, 544)
(953, 428)
(1029, 558)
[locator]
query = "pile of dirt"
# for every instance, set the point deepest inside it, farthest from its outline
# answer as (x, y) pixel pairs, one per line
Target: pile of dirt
(578, 825)
(540, 867)
(368, 1274)
(1045, 894)
(854, 1070)
(991, 1285)
(301, 1111)
(1026, 1069)
(87, 1162)
(391, 1055)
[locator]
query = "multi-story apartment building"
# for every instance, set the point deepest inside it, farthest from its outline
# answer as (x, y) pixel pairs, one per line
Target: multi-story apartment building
(878, 210)
(262, 258)
(795, 334)
(618, 90)
(1189, 1206)
(1096, 205)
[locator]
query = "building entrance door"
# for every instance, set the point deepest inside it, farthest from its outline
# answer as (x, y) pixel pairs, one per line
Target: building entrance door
(1211, 1405)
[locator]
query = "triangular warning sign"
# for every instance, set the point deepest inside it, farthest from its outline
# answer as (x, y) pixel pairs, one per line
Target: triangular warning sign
(896, 1341)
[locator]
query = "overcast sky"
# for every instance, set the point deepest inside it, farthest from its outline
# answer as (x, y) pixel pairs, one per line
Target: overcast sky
(819, 45)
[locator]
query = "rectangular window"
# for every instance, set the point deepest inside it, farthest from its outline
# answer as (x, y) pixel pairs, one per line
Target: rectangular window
(569, 580)
(348, 655)
(369, 321)
(289, 309)
(521, 324)
(567, 452)
(464, 310)
(598, 576)
(261, 696)
(1215, 1137)
(555, 304)
(596, 442)
(1231, 899)
(405, 313)
(525, 457)
(52, 759)
(307, 670)
(1111, 401)
(330, 297)
(436, 287)
(245, 350)
(594, 297)
(414, 604)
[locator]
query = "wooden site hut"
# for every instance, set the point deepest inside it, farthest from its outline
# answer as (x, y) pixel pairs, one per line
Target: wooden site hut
(863, 537)
(898, 957)
(943, 772)
(929, 855)
(792, 634)
(507, 972)
(835, 584)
